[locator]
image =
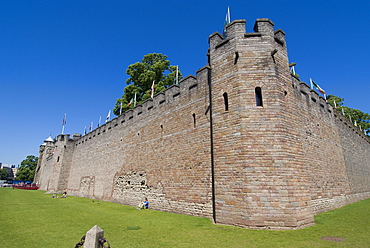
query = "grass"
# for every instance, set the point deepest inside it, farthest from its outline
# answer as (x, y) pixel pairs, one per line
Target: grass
(33, 219)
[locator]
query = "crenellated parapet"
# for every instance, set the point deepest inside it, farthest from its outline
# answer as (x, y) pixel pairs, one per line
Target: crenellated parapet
(188, 86)
(317, 103)
(263, 30)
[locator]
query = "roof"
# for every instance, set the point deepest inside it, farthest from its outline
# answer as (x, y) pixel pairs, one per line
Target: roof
(49, 139)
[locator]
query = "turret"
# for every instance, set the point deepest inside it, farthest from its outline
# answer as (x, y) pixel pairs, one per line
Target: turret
(46, 151)
(250, 83)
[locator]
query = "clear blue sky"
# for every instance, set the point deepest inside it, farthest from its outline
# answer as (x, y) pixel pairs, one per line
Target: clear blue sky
(70, 56)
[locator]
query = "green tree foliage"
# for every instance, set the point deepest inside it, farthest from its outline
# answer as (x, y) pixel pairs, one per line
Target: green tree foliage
(27, 169)
(3, 174)
(153, 67)
(335, 101)
(362, 119)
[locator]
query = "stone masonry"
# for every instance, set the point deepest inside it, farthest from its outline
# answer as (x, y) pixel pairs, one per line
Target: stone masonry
(243, 142)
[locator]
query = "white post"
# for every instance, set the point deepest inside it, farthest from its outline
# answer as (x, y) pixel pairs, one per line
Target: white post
(93, 236)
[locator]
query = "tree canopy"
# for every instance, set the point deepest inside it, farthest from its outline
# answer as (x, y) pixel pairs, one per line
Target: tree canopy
(358, 117)
(153, 67)
(3, 174)
(27, 169)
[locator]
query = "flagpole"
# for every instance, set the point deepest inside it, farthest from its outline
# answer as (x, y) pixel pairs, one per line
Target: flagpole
(135, 100)
(177, 74)
(227, 21)
(64, 122)
(120, 111)
(228, 14)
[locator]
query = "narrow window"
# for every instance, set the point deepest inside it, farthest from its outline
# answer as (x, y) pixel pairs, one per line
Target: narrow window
(194, 120)
(258, 92)
(226, 102)
(236, 58)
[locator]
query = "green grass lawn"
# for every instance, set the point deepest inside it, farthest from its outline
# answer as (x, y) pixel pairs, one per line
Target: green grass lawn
(33, 219)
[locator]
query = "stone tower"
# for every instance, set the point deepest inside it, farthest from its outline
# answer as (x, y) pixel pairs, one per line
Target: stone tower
(55, 160)
(259, 180)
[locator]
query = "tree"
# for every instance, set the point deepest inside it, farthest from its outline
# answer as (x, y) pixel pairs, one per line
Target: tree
(3, 174)
(26, 171)
(153, 67)
(335, 101)
(356, 116)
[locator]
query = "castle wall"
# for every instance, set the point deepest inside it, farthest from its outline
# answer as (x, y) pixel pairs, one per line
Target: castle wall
(335, 151)
(158, 150)
(276, 164)
(318, 138)
(356, 151)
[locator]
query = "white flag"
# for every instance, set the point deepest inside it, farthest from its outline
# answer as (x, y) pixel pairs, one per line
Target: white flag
(108, 117)
(99, 121)
(152, 90)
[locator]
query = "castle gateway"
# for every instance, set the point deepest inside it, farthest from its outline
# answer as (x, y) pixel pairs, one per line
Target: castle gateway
(243, 142)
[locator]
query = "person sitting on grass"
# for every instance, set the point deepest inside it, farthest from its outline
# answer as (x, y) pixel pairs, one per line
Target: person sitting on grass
(144, 204)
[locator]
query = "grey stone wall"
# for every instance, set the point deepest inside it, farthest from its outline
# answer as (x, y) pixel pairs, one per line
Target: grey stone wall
(356, 147)
(159, 150)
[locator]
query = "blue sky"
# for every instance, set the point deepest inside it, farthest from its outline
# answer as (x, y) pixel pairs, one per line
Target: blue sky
(70, 56)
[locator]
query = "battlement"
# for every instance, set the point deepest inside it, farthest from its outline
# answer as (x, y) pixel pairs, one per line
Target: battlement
(187, 87)
(263, 30)
(317, 102)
